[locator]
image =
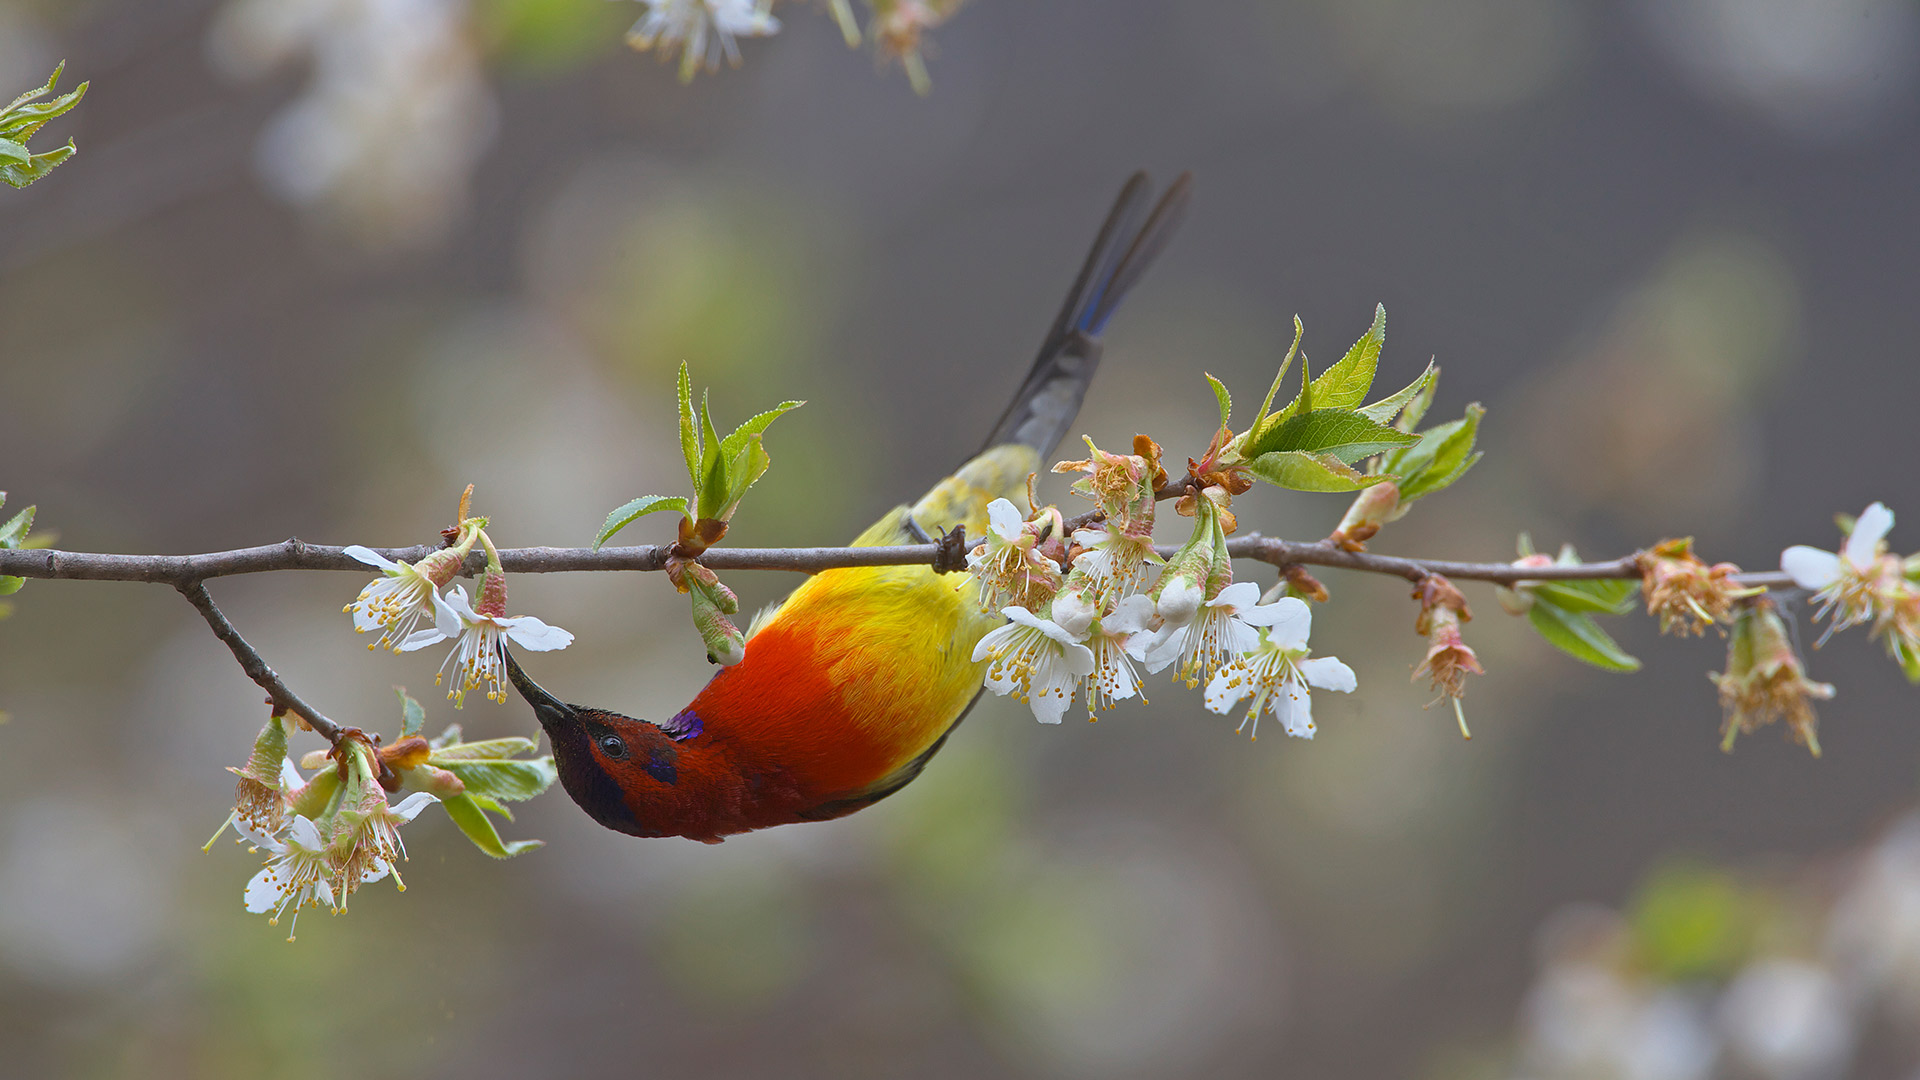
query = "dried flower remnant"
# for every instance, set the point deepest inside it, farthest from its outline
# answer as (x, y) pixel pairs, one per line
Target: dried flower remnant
(1765, 680)
(1686, 593)
(1449, 659)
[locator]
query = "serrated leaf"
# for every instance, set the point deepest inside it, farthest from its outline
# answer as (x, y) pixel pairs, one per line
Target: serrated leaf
(754, 427)
(491, 806)
(412, 716)
(1292, 350)
(473, 821)
(506, 780)
(1578, 636)
(1610, 597)
(1344, 385)
(1343, 433)
(507, 746)
(689, 437)
(14, 533)
(1387, 408)
(712, 488)
(13, 153)
(1443, 454)
(20, 176)
(1224, 399)
(1301, 471)
(449, 737)
(634, 511)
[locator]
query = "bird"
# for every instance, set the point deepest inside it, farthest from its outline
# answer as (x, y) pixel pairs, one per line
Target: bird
(853, 683)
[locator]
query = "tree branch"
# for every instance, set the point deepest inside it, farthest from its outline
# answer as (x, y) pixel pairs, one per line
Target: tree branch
(282, 698)
(186, 571)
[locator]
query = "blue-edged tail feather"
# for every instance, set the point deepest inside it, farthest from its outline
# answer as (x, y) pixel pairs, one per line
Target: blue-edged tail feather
(1049, 398)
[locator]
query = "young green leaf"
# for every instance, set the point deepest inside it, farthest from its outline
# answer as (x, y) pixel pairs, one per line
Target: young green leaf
(1577, 635)
(412, 716)
(634, 511)
(1387, 408)
(472, 820)
(1611, 597)
(1302, 471)
(19, 166)
(1343, 433)
(13, 534)
(1292, 350)
(689, 437)
(1345, 384)
(1443, 455)
(1224, 399)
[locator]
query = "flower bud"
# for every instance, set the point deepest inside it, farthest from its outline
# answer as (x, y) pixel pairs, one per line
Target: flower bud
(1449, 660)
(1372, 508)
(260, 795)
(1518, 599)
(712, 603)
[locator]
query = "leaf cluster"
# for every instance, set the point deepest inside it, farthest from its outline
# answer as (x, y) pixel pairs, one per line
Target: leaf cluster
(20, 166)
(1318, 439)
(1563, 613)
(719, 469)
(494, 772)
(13, 537)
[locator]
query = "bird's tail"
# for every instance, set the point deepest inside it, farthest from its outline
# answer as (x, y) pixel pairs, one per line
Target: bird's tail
(1049, 399)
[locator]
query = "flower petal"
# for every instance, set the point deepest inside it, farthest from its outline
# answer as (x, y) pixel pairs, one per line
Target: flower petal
(1072, 613)
(1869, 529)
(370, 557)
(1241, 596)
(1809, 567)
(420, 639)
(409, 808)
(1293, 707)
(1130, 616)
(1004, 519)
(1328, 673)
(263, 892)
(1179, 601)
(303, 833)
(1225, 689)
(530, 633)
(1289, 621)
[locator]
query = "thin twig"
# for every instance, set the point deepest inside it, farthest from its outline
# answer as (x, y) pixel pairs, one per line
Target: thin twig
(184, 571)
(283, 699)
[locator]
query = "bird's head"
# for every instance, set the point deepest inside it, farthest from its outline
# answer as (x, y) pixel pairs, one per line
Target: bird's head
(609, 764)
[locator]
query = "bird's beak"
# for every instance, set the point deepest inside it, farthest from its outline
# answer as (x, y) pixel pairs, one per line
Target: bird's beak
(553, 714)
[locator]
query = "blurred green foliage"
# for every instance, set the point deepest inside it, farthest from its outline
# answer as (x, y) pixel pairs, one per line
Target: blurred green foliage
(548, 36)
(1691, 920)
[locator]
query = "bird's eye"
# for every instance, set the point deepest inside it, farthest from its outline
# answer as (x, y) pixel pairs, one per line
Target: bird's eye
(614, 747)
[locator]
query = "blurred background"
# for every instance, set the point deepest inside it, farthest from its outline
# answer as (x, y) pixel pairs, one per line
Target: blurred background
(320, 263)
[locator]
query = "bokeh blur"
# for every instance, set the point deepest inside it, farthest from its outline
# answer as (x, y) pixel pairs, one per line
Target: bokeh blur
(320, 263)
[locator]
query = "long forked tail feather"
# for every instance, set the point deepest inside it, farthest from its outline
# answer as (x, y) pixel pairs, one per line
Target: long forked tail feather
(1049, 399)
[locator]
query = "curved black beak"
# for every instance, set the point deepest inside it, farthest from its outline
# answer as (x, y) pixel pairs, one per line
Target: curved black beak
(553, 714)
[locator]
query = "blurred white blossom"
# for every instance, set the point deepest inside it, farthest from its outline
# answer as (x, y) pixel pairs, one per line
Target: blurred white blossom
(393, 121)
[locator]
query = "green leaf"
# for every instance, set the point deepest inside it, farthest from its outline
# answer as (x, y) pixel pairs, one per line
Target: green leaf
(1292, 351)
(689, 438)
(1611, 597)
(14, 533)
(505, 747)
(1578, 636)
(494, 769)
(633, 511)
(1224, 399)
(1343, 433)
(1387, 408)
(11, 585)
(472, 820)
(19, 166)
(754, 427)
(712, 488)
(1443, 455)
(1345, 384)
(412, 716)
(449, 737)
(1301, 471)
